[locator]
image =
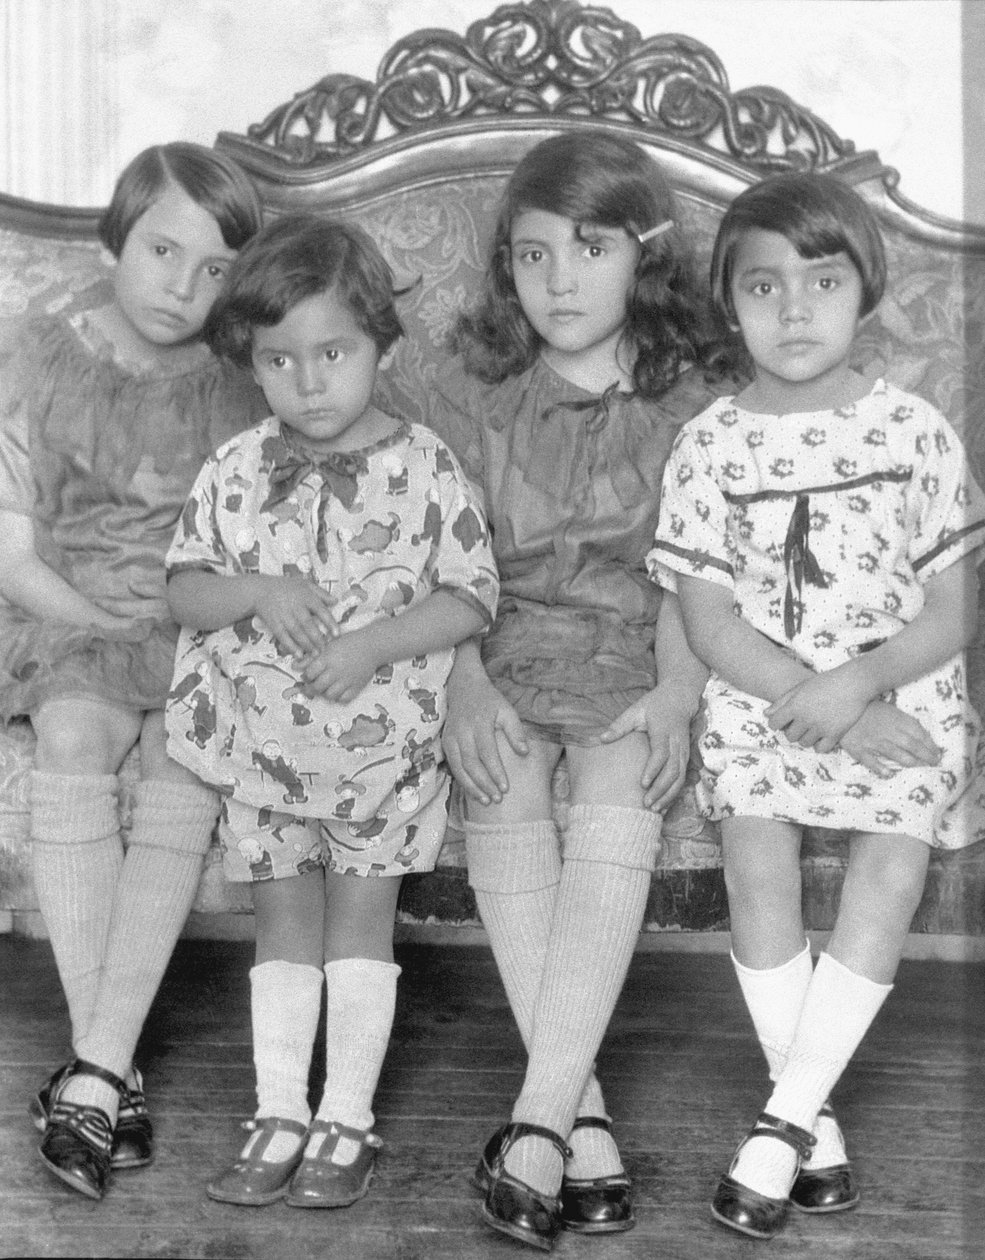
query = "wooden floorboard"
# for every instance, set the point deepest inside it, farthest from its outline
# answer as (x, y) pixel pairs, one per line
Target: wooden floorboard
(683, 1077)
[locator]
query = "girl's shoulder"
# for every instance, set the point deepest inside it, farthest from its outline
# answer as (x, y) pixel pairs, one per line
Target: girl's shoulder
(696, 394)
(491, 403)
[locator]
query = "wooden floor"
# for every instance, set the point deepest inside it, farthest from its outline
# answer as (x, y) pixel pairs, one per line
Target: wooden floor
(683, 1078)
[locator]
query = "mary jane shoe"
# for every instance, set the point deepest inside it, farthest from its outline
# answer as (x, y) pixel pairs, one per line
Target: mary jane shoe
(746, 1210)
(253, 1181)
(321, 1183)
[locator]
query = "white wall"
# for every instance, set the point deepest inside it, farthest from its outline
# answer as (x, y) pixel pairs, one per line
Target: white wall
(887, 74)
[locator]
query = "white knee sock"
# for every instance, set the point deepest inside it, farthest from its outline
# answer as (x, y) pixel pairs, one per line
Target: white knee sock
(76, 859)
(172, 825)
(774, 997)
(514, 870)
(609, 855)
(285, 1006)
(838, 1010)
(361, 997)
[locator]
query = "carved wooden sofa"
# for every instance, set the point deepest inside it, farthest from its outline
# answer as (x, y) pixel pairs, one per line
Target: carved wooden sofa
(418, 157)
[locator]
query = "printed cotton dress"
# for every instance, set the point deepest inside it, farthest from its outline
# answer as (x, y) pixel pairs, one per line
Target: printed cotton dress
(380, 529)
(827, 525)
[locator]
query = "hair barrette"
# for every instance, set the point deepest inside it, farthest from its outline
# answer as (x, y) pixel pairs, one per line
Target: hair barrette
(656, 231)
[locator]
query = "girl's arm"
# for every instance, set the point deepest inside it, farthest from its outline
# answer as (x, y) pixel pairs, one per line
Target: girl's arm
(25, 580)
(339, 670)
(296, 611)
(478, 715)
(665, 713)
(880, 735)
(818, 711)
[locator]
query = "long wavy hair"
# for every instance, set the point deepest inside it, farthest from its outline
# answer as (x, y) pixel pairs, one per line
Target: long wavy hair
(595, 179)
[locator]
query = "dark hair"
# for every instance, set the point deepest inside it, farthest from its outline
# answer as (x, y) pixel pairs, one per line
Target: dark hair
(818, 214)
(212, 180)
(294, 258)
(593, 178)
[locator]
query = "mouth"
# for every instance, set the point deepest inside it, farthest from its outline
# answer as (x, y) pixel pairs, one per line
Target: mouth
(564, 316)
(170, 319)
(798, 343)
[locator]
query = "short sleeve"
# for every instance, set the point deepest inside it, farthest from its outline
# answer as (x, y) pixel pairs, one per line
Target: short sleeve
(692, 536)
(461, 561)
(16, 480)
(454, 414)
(197, 543)
(945, 505)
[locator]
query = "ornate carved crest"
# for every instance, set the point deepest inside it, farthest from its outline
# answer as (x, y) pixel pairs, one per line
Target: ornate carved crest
(552, 58)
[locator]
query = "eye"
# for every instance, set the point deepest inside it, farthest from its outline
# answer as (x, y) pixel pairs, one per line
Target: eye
(531, 255)
(278, 361)
(161, 251)
(763, 288)
(827, 283)
(333, 354)
(216, 271)
(594, 251)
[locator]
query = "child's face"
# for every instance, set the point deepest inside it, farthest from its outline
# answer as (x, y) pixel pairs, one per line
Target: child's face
(317, 369)
(573, 289)
(798, 316)
(171, 269)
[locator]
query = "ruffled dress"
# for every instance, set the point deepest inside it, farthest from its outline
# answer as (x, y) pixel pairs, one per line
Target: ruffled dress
(101, 455)
(571, 486)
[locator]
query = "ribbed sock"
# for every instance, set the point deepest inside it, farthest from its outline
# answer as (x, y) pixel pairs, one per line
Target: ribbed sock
(838, 1010)
(361, 995)
(285, 1006)
(608, 858)
(76, 859)
(515, 870)
(172, 825)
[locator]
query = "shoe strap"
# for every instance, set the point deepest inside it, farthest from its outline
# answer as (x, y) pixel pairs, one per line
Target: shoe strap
(87, 1122)
(336, 1129)
(83, 1067)
(772, 1126)
(517, 1129)
(592, 1122)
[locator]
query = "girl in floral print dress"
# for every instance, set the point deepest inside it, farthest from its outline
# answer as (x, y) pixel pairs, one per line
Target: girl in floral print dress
(325, 566)
(822, 533)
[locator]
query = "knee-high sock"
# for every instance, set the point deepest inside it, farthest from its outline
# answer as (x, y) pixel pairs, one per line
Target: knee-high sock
(774, 997)
(76, 859)
(285, 1006)
(172, 824)
(837, 1012)
(514, 870)
(361, 996)
(608, 858)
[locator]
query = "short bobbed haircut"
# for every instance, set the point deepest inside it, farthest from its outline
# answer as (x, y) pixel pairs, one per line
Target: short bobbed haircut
(212, 180)
(599, 179)
(819, 215)
(294, 258)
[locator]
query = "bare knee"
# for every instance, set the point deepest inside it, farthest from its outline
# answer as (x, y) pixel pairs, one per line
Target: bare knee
(83, 738)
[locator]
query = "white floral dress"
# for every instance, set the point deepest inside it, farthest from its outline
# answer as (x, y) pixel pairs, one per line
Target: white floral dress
(827, 525)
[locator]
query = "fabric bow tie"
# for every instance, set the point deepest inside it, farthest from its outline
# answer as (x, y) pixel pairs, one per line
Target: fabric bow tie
(800, 563)
(339, 472)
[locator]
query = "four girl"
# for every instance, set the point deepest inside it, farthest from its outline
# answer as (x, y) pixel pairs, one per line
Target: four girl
(822, 532)
(586, 353)
(106, 418)
(326, 565)
(815, 558)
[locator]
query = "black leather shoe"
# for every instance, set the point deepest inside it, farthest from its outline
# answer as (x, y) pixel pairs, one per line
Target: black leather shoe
(133, 1137)
(510, 1205)
(831, 1189)
(78, 1138)
(596, 1205)
(746, 1210)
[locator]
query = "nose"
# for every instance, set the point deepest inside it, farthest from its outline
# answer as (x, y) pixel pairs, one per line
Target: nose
(309, 378)
(181, 283)
(795, 308)
(561, 277)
